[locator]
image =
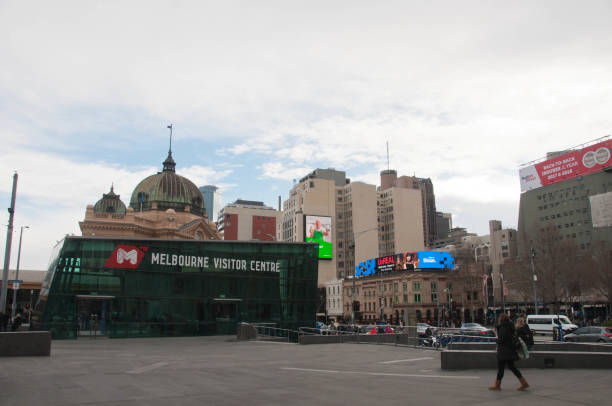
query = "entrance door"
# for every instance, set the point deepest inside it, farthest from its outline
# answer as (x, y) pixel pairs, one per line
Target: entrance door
(224, 312)
(93, 315)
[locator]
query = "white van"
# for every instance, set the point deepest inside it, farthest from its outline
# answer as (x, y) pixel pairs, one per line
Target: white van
(544, 323)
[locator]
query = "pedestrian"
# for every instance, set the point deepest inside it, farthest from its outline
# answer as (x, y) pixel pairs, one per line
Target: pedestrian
(523, 331)
(16, 322)
(506, 352)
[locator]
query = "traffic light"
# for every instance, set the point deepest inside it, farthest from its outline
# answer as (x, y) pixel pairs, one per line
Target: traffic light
(356, 305)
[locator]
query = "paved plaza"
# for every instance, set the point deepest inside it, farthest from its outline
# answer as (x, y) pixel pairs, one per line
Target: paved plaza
(222, 371)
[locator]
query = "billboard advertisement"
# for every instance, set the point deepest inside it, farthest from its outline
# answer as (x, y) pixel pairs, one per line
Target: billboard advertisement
(406, 261)
(567, 166)
(435, 260)
(319, 229)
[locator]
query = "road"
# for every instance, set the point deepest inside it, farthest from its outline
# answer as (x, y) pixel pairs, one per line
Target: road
(222, 371)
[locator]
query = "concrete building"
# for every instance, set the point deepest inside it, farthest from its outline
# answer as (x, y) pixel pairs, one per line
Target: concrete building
(246, 220)
(444, 225)
(572, 199)
(314, 195)
(389, 179)
(350, 208)
(455, 240)
(357, 236)
(212, 200)
(409, 297)
(400, 215)
(504, 246)
(334, 293)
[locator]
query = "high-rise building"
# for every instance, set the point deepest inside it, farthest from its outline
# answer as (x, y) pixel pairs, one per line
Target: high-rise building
(246, 220)
(400, 214)
(212, 200)
(568, 191)
(357, 226)
(346, 214)
(389, 179)
(444, 224)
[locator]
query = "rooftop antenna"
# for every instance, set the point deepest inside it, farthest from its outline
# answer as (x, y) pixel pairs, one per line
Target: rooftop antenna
(388, 155)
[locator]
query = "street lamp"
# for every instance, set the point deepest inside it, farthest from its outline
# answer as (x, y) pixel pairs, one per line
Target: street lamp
(352, 248)
(535, 278)
(16, 290)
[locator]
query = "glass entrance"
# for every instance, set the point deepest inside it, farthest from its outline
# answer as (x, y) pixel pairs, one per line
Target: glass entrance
(224, 311)
(93, 316)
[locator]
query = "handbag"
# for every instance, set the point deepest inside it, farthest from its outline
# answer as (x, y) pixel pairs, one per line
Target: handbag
(521, 348)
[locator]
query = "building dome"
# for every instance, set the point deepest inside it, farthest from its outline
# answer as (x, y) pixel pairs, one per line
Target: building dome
(167, 190)
(110, 203)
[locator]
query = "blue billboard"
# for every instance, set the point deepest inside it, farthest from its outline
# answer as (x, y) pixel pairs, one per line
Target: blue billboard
(407, 262)
(435, 260)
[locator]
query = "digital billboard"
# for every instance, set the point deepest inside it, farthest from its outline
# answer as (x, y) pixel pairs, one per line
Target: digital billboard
(435, 260)
(567, 166)
(406, 261)
(319, 229)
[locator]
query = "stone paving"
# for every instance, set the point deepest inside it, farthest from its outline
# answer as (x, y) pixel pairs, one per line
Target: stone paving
(222, 371)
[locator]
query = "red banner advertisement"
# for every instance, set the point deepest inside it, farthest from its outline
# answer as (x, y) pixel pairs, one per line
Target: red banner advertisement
(567, 166)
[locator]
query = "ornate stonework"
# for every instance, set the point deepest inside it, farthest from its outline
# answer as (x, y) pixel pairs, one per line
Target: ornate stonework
(164, 205)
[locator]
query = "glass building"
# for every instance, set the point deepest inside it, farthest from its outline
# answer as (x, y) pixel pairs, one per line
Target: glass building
(119, 287)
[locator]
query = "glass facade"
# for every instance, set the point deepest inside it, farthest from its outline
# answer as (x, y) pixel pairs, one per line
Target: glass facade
(148, 288)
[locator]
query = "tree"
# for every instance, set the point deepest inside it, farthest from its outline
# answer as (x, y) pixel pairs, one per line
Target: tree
(469, 280)
(601, 263)
(560, 267)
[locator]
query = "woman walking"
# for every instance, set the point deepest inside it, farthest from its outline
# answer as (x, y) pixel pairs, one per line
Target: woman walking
(506, 352)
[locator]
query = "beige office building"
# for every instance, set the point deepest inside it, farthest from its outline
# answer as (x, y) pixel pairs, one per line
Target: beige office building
(352, 209)
(400, 218)
(357, 226)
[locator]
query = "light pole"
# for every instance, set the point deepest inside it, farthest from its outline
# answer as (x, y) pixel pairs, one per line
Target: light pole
(352, 248)
(535, 278)
(15, 291)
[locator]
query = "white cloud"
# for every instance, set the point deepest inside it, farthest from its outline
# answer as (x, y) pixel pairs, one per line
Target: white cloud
(464, 92)
(54, 191)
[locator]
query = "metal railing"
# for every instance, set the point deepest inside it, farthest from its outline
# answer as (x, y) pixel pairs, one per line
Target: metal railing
(269, 331)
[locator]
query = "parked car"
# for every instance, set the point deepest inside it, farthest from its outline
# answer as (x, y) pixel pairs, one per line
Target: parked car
(475, 329)
(593, 334)
(473, 326)
(544, 323)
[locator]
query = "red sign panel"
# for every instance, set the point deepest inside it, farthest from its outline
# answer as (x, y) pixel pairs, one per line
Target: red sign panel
(126, 256)
(567, 166)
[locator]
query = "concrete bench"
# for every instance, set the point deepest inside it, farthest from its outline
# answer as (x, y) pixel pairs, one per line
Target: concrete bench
(539, 346)
(485, 359)
(25, 343)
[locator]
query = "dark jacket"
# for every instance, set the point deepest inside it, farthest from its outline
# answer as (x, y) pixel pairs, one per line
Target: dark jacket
(525, 333)
(505, 342)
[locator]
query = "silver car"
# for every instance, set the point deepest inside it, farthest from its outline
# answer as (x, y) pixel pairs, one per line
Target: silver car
(593, 334)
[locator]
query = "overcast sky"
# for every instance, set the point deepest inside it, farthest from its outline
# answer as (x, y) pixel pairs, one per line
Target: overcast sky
(263, 92)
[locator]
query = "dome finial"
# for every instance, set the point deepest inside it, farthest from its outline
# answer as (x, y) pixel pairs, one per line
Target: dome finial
(170, 149)
(169, 163)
